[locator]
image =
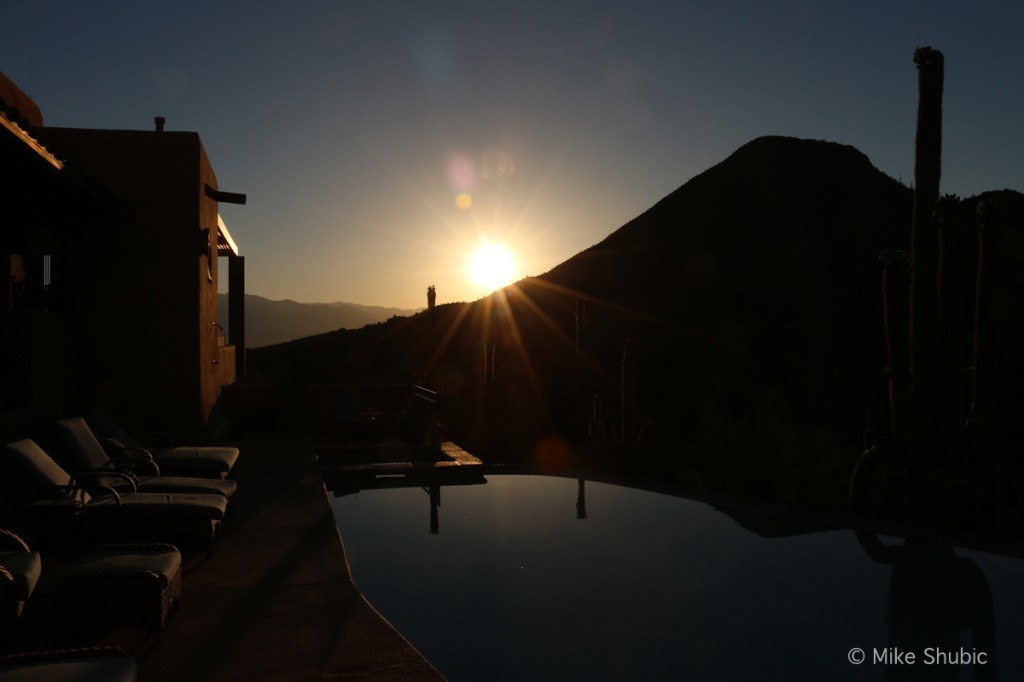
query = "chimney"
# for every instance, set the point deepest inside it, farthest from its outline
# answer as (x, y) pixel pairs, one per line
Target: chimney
(159, 121)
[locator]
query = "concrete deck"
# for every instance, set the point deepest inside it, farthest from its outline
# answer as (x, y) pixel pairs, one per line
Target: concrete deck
(277, 601)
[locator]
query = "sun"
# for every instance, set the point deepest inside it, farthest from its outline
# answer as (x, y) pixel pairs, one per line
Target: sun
(492, 266)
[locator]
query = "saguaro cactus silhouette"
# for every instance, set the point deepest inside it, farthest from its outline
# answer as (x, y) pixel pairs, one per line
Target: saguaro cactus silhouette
(627, 396)
(896, 318)
(941, 394)
(924, 249)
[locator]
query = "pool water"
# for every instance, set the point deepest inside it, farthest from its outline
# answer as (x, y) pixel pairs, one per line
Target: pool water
(538, 577)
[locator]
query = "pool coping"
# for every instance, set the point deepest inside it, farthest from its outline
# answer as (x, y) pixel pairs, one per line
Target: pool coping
(277, 600)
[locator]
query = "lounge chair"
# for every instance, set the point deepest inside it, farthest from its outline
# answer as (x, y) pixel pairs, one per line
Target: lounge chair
(20, 568)
(113, 585)
(181, 460)
(95, 663)
(109, 515)
(86, 453)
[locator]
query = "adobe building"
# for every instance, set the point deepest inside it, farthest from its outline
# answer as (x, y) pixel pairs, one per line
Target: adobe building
(111, 243)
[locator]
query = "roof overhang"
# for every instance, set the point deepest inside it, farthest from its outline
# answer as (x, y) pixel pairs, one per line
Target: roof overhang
(225, 244)
(224, 197)
(18, 138)
(43, 202)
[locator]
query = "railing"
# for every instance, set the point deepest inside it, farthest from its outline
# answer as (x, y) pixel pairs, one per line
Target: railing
(377, 411)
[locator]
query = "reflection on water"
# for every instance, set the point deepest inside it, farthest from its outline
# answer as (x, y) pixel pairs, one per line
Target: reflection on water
(434, 492)
(532, 577)
(940, 605)
(581, 499)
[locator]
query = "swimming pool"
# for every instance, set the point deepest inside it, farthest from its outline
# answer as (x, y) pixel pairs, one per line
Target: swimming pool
(522, 582)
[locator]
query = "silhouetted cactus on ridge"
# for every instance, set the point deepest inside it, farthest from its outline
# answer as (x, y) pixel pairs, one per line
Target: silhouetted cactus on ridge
(941, 397)
(924, 250)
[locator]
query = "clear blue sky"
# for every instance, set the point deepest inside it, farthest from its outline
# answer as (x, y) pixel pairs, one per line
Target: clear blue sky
(352, 126)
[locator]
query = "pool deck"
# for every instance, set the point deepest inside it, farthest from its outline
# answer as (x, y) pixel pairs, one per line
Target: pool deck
(277, 600)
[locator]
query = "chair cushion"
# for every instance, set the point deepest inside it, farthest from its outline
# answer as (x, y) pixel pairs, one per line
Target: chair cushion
(184, 484)
(37, 467)
(168, 484)
(188, 485)
(124, 570)
(26, 568)
(109, 669)
(167, 505)
(82, 447)
(208, 461)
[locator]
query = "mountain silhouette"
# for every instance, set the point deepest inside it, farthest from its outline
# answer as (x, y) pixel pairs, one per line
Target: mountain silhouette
(268, 322)
(735, 326)
(770, 260)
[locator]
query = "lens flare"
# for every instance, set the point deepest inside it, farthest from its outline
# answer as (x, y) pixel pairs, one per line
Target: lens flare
(461, 171)
(463, 201)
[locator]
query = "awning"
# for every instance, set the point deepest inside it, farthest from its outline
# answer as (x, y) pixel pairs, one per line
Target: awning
(225, 244)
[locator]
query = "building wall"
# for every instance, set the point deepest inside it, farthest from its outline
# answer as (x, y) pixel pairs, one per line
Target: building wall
(209, 333)
(46, 217)
(143, 298)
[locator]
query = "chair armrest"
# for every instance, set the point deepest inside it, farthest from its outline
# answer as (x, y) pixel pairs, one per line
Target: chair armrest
(135, 458)
(97, 490)
(8, 592)
(104, 573)
(115, 448)
(12, 542)
(139, 454)
(130, 479)
(165, 546)
(117, 471)
(130, 474)
(94, 490)
(66, 491)
(6, 578)
(161, 438)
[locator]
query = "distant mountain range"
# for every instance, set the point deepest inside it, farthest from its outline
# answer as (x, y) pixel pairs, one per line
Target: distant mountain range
(268, 322)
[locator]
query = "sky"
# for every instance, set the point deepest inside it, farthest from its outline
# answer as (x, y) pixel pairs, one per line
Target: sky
(381, 143)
